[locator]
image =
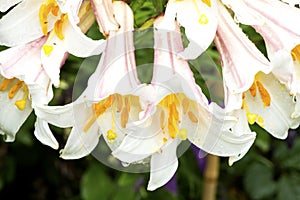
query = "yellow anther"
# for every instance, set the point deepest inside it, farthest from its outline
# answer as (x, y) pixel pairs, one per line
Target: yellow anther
(265, 96)
(47, 49)
(182, 134)
(127, 104)
(162, 119)
(124, 117)
(111, 135)
(46, 8)
(59, 24)
(296, 53)
(5, 84)
(185, 105)
(119, 102)
(172, 128)
(165, 140)
(252, 89)
(21, 104)
(251, 118)
(109, 101)
(203, 19)
(15, 88)
(207, 2)
(192, 117)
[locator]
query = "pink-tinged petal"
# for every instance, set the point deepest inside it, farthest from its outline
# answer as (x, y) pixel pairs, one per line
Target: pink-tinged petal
(6, 4)
(22, 24)
(238, 71)
(170, 72)
(163, 166)
(104, 12)
(53, 62)
(116, 72)
(43, 133)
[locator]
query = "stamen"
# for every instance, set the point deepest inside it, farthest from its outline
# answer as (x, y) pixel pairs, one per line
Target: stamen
(124, 117)
(265, 96)
(46, 8)
(21, 104)
(162, 119)
(15, 88)
(119, 102)
(165, 140)
(185, 105)
(296, 53)
(5, 84)
(58, 26)
(192, 117)
(111, 135)
(252, 89)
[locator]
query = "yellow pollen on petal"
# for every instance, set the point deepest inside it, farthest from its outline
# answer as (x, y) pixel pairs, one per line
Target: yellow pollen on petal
(14, 89)
(47, 49)
(192, 117)
(5, 84)
(251, 118)
(182, 134)
(252, 89)
(207, 2)
(203, 19)
(296, 53)
(265, 96)
(165, 140)
(111, 135)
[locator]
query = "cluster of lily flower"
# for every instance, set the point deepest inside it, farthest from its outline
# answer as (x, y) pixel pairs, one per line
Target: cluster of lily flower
(142, 121)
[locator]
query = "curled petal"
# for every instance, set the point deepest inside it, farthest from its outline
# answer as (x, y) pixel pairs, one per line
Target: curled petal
(43, 133)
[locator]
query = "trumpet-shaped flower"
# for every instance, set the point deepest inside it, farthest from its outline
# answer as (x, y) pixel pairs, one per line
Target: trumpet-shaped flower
(198, 17)
(179, 112)
(279, 32)
(249, 81)
(106, 106)
(23, 84)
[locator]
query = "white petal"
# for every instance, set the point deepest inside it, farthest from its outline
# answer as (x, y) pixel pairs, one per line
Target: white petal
(6, 4)
(199, 34)
(43, 133)
(22, 25)
(11, 118)
(61, 116)
(81, 143)
(163, 166)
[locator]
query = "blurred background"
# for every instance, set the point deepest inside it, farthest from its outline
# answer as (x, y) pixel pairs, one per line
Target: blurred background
(270, 170)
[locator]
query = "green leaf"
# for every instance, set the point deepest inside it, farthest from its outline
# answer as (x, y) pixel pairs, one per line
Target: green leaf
(288, 187)
(259, 181)
(96, 184)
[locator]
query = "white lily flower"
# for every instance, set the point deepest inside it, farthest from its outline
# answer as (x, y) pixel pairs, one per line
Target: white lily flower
(179, 112)
(104, 107)
(23, 84)
(276, 24)
(199, 20)
(250, 83)
(44, 18)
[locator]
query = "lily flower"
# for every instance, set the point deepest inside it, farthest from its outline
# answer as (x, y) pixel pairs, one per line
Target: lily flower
(281, 36)
(107, 105)
(179, 112)
(249, 81)
(198, 17)
(27, 75)
(23, 84)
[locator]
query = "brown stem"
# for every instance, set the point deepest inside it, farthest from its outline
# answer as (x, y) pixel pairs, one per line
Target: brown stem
(211, 175)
